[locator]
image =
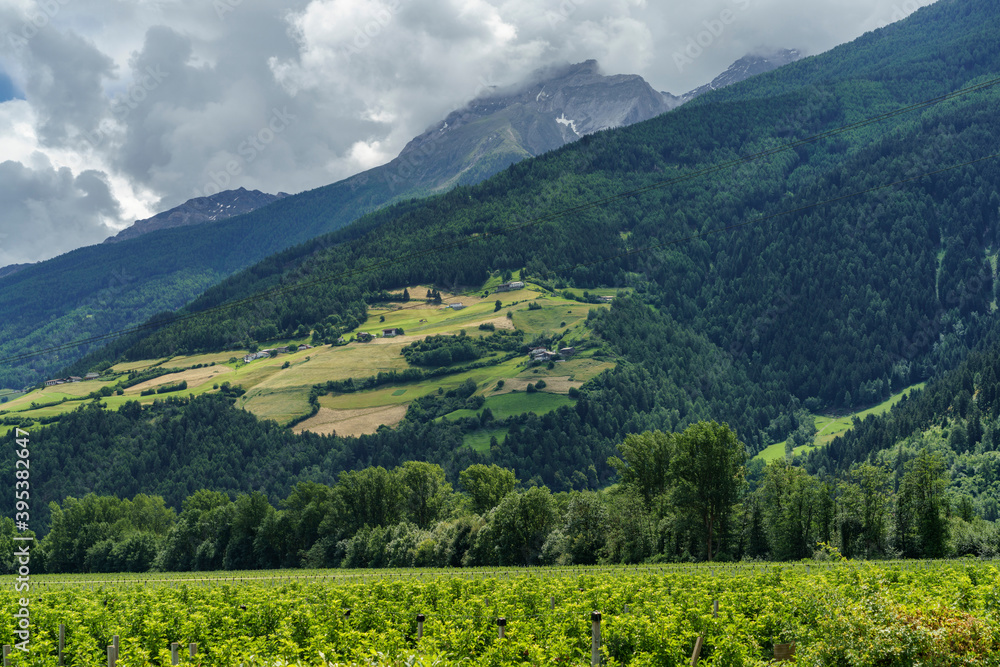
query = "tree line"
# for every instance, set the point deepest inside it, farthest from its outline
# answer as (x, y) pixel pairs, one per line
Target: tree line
(685, 496)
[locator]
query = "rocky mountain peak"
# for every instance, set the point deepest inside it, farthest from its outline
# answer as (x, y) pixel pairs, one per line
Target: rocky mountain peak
(225, 204)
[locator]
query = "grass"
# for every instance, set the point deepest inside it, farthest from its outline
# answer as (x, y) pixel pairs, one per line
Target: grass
(555, 316)
(579, 369)
(480, 440)
(281, 394)
(418, 318)
(829, 427)
(485, 379)
(280, 404)
(127, 366)
(516, 403)
(73, 393)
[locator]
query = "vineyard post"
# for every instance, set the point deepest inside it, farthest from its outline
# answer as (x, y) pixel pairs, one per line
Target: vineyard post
(501, 624)
(552, 603)
(420, 626)
(116, 644)
(595, 638)
(175, 655)
(701, 638)
(6, 652)
(697, 650)
(112, 658)
(193, 648)
(62, 642)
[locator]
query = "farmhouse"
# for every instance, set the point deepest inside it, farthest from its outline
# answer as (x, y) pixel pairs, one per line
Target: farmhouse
(605, 299)
(364, 337)
(567, 351)
(73, 378)
(52, 383)
(391, 333)
(256, 355)
(541, 354)
(511, 286)
(91, 376)
(456, 306)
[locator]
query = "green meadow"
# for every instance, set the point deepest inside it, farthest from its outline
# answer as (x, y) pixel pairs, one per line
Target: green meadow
(516, 403)
(829, 427)
(278, 387)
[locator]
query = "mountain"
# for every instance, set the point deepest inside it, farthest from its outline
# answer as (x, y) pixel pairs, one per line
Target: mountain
(557, 107)
(225, 204)
(11, 269)
(758, 255)
(744, 68)
(92, 291)
(815, 296)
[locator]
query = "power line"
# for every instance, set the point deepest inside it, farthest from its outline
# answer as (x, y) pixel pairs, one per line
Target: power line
(458, 243)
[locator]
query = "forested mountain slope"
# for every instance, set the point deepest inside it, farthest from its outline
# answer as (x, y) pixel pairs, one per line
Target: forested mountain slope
(829, 304)
(797, 304)
(957, 417)
(97, 290)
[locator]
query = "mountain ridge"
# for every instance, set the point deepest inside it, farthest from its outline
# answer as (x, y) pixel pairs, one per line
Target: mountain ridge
(94, 290)
(212, 208)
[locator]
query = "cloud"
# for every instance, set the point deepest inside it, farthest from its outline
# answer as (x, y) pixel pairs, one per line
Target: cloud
(43, 203)
(138, 106)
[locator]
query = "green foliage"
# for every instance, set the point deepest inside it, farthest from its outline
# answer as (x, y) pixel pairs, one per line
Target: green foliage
(517, 528)
(938, 615)
(645, 463)
(486, 486)
(435, 351)
(921, 528)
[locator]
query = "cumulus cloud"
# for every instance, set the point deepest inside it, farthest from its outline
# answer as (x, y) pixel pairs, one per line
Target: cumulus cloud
(133, 106)
(46, 203)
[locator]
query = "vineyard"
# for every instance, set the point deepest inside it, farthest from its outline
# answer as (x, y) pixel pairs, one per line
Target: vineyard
(834, 613)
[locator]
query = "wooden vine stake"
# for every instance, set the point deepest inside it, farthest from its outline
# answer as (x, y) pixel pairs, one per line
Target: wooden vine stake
(175, 653)
(595, 638)
(6, 655)
(501, 626)
(62, 642)
(701, 638)
(697, 650)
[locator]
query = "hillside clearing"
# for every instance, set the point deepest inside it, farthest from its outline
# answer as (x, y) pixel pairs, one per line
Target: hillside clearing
(364, 421)
(829, 427)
